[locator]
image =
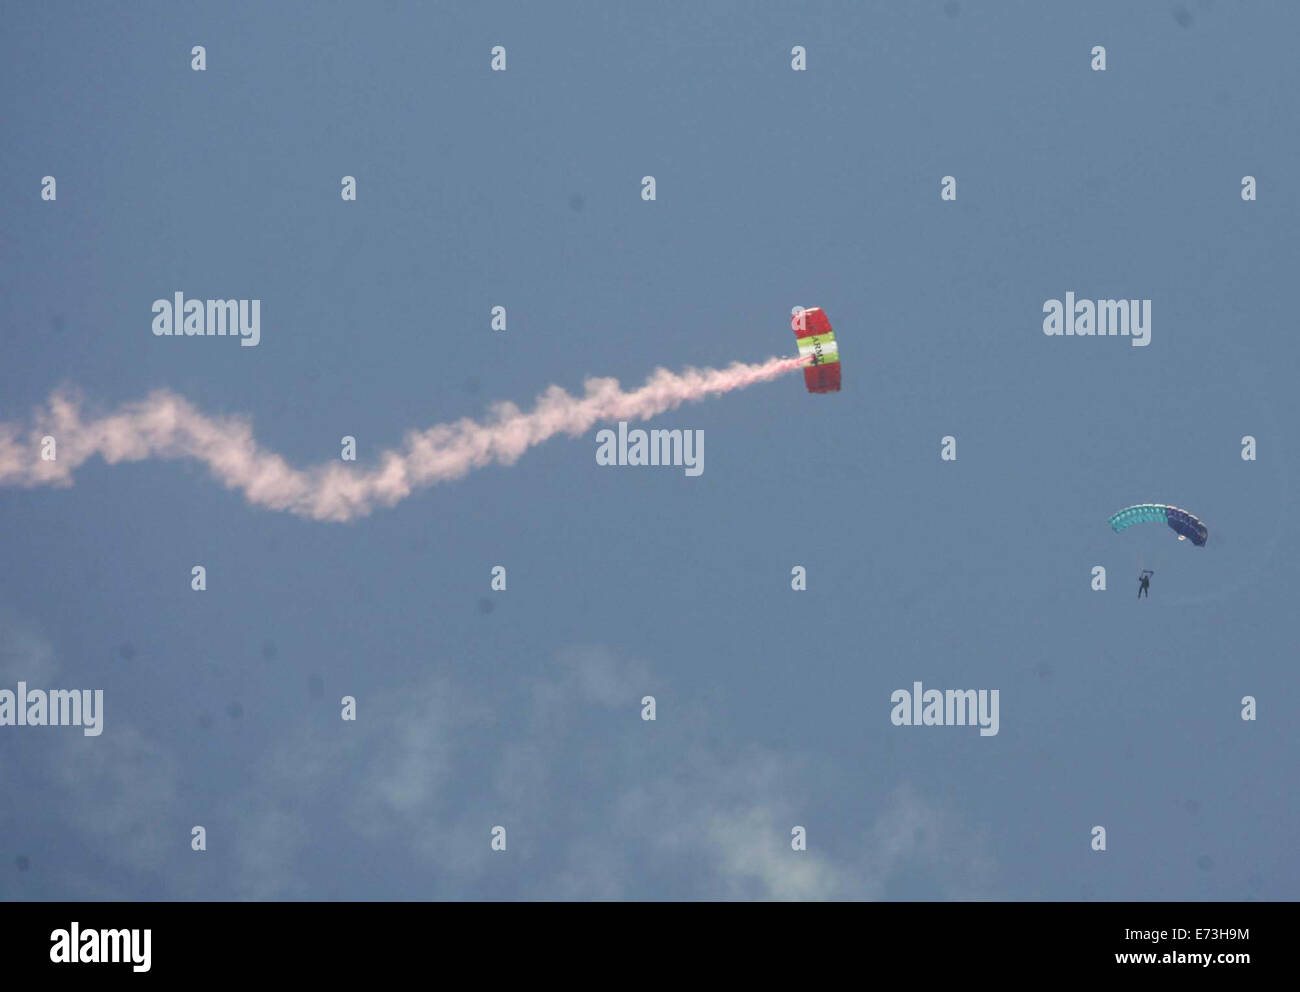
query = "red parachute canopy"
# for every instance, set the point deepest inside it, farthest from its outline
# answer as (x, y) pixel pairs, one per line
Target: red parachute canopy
(813, 331)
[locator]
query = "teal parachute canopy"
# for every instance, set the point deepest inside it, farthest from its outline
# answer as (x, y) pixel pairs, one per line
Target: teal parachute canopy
(1184, 524)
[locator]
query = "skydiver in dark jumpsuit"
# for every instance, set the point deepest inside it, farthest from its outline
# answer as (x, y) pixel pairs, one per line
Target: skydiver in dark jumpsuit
(1144, 583)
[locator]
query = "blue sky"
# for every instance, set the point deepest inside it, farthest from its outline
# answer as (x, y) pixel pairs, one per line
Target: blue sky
(774, 188)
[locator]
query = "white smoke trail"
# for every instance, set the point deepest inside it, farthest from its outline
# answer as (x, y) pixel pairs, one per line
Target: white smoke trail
(165, 425)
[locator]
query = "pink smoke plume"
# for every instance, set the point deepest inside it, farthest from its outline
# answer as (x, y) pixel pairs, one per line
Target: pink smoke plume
(165, 425)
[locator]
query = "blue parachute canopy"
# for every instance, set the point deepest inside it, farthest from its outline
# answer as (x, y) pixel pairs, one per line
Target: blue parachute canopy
(1184, 524)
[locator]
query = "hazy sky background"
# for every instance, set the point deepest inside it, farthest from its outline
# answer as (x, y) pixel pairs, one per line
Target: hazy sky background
(775, 188)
